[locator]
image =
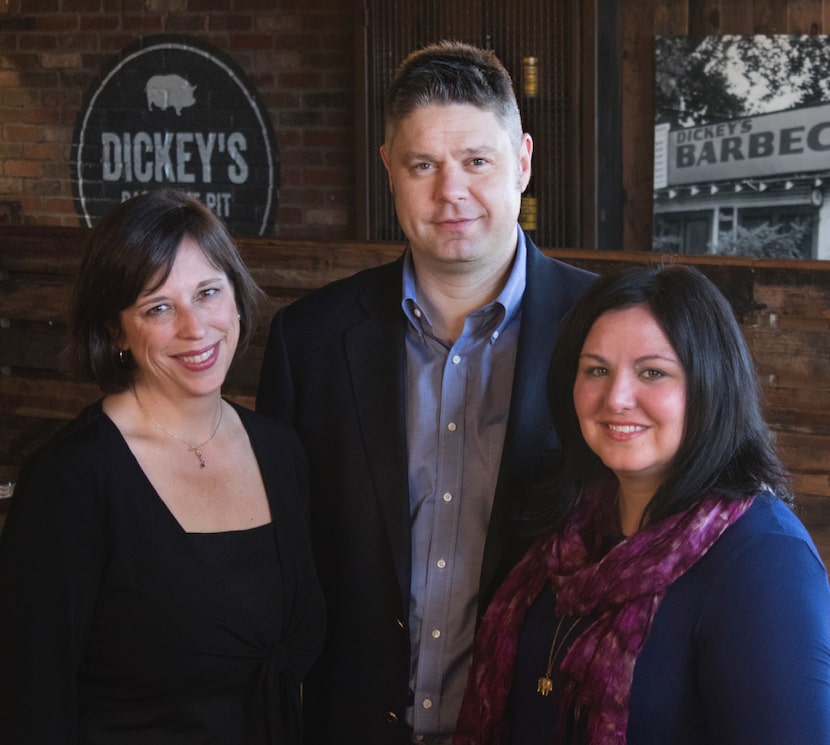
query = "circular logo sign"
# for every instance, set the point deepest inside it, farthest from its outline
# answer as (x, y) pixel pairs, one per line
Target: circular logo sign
(171, 111)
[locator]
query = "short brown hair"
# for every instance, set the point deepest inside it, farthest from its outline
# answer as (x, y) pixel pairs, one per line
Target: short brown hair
(134, 244)
(452, 72)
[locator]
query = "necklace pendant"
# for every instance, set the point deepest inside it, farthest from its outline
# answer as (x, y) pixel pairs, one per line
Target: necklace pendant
(544, 685)
(195, 449)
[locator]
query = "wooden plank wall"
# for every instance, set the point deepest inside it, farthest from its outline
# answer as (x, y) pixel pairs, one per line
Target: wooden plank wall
(642, 20)
(784, 309)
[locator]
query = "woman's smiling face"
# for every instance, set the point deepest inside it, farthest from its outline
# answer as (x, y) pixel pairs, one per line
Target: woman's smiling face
(183, 334)
(630, 396)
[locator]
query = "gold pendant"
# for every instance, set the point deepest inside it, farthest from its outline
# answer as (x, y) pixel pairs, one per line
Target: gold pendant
(544, 685)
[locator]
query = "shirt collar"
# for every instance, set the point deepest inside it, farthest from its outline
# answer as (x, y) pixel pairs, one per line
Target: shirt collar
(509, 298)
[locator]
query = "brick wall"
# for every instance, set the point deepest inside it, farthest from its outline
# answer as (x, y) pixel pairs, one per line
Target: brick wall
(299, 54)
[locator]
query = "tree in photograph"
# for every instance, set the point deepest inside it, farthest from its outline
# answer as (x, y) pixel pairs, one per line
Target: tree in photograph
(708, 79)
(764, 241)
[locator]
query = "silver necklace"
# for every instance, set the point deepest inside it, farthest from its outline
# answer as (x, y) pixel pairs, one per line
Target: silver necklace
(195, 449)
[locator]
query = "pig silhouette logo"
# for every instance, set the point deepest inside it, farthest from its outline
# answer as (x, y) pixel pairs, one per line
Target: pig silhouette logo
(173, 110)
(169, 91)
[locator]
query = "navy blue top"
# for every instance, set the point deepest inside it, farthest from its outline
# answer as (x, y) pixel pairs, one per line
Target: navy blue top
(739, 651)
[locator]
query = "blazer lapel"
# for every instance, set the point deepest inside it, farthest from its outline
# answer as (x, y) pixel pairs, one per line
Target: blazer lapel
(373, 348)
(530, 436)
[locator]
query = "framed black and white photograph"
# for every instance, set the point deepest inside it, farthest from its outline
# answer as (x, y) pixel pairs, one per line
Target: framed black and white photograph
(742, 146)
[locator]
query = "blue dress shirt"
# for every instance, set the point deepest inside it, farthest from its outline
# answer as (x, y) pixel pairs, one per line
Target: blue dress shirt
(458, 399)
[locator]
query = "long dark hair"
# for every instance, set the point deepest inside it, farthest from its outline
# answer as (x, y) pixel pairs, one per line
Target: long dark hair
(727, 447)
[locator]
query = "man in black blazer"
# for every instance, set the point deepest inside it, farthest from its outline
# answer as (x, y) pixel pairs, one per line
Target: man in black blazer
(418, 389)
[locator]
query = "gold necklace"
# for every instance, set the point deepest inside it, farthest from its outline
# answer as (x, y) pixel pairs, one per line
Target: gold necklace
(545, 685)
(196, 449)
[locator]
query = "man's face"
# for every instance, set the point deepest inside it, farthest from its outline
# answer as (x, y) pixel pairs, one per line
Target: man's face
(457, 180)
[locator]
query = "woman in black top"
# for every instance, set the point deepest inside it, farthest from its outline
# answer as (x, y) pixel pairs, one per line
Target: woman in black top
(156, 582)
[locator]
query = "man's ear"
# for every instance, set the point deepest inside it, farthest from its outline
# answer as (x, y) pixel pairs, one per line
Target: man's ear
(525, 155)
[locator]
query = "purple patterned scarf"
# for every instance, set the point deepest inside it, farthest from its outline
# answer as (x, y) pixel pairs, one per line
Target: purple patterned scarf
(622, 590)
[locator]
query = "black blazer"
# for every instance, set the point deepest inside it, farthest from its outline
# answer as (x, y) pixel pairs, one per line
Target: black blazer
(334, 367)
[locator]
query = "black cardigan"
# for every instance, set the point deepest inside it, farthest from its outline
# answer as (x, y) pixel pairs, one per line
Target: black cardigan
(113, 630)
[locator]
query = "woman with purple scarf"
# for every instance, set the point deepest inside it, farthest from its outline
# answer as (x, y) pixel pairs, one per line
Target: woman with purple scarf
(671, 595)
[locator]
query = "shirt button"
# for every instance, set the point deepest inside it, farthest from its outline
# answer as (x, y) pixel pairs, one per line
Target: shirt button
(441, 563)
(495, 335)
(447, 497)
(456, 359)
(417, 312)
(436, 633)
(427, 703)
(451, 427)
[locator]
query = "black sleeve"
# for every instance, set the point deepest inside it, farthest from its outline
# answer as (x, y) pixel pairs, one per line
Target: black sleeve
(51, 560)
